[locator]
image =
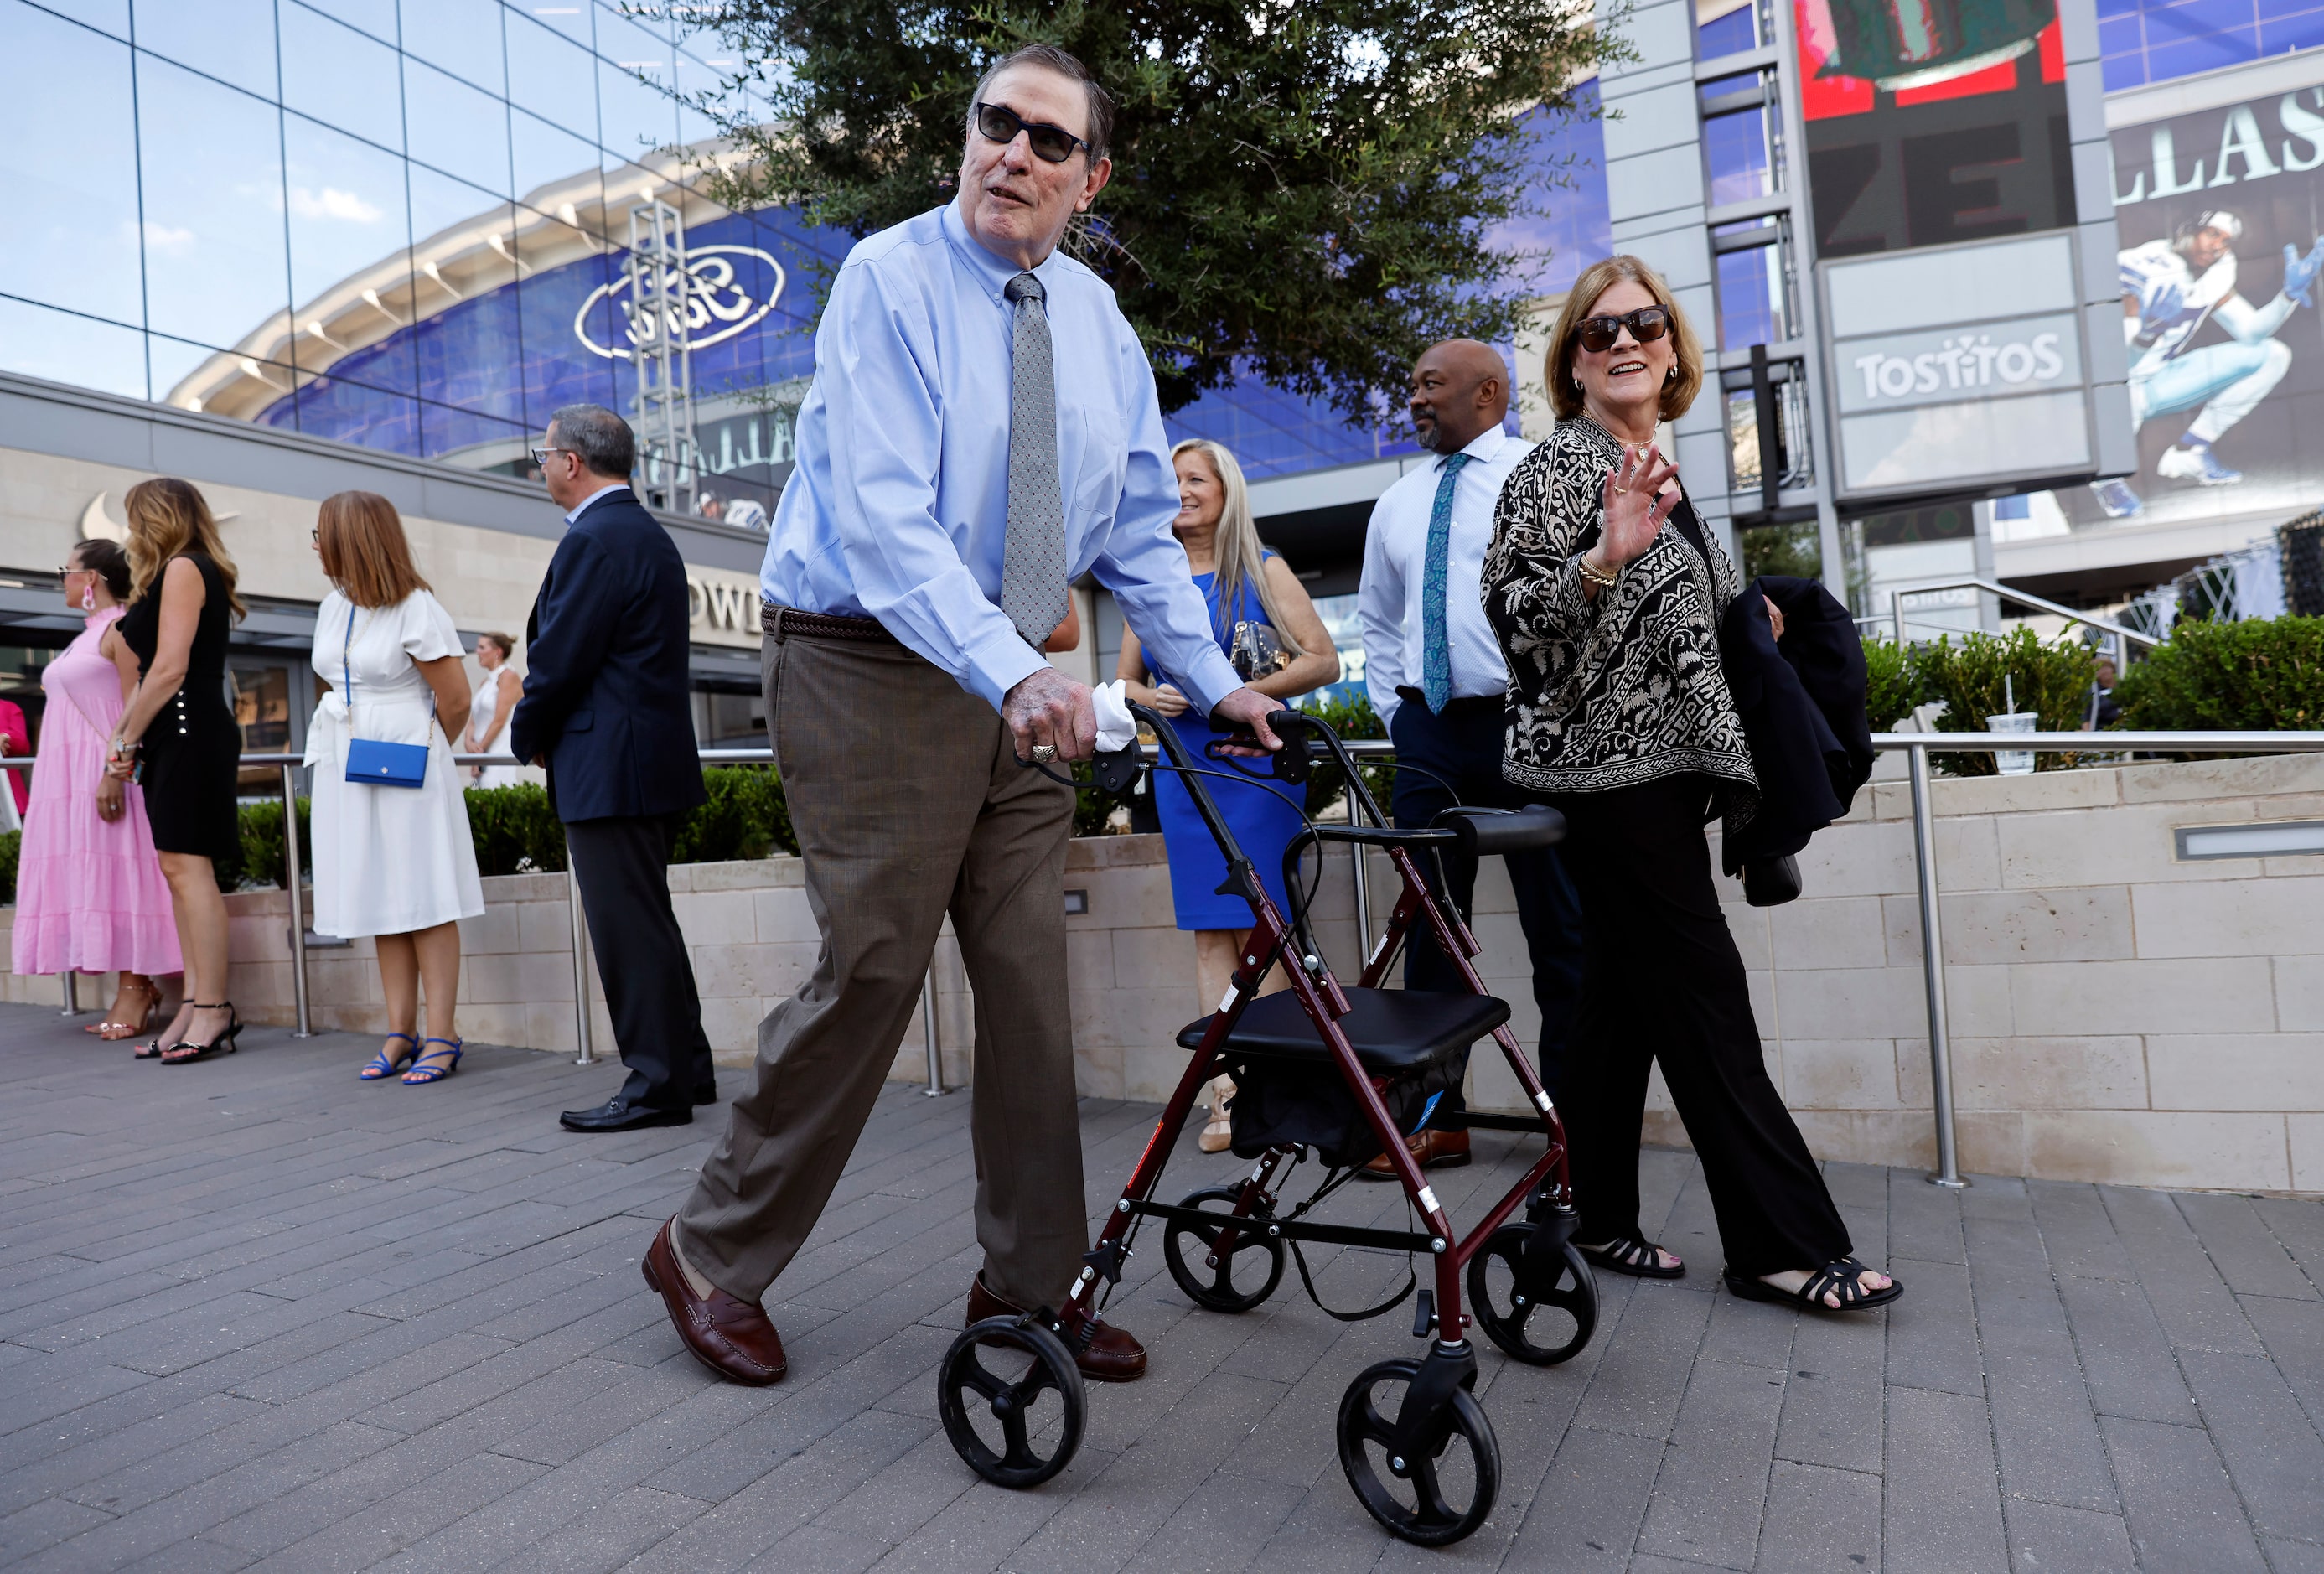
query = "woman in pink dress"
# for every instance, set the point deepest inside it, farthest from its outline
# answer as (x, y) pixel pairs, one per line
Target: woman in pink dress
(89, 892)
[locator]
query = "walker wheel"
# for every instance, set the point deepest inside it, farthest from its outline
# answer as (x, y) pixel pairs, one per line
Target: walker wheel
(1236, 1279)
(1011, 1401)
(1444, 1491)
(1543, 1329)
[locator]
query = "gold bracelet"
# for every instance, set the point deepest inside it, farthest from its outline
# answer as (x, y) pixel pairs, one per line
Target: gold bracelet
(1602, 581)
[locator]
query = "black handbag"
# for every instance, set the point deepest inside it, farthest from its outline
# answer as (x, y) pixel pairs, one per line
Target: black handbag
(1770, 882)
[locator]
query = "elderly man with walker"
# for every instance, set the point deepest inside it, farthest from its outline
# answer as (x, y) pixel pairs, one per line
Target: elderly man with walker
(982, 429)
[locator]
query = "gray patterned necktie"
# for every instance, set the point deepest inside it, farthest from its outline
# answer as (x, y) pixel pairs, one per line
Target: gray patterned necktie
(1033, 593)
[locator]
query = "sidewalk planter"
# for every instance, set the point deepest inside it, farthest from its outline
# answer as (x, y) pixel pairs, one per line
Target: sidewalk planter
(2119, 1014)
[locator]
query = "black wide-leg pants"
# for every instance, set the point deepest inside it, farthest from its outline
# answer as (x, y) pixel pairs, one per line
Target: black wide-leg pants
(1661, 980)
(622, 863)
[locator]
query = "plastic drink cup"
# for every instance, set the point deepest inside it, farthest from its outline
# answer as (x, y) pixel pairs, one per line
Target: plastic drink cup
(2014, 761)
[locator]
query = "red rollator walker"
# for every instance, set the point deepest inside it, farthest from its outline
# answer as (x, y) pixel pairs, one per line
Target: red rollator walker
(1346, 1072)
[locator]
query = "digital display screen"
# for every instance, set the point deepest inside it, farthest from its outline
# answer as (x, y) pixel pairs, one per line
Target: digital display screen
(1932, 121)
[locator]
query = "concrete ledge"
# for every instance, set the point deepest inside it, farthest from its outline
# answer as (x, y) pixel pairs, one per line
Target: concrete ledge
(2119, 1016)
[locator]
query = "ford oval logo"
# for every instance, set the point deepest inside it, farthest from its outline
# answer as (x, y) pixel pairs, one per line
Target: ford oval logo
(717, 304)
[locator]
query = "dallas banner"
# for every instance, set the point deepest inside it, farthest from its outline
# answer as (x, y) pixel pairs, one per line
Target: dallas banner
(2220, 210)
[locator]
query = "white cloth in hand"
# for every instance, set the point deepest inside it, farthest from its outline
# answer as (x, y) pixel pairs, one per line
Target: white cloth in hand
(1117, 729)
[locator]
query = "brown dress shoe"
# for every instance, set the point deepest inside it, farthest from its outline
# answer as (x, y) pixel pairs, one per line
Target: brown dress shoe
(1104, 1353)
(732, 1338)
(1431, 1149)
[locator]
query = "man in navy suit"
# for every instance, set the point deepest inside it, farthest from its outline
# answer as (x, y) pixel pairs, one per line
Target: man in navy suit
(604, 709)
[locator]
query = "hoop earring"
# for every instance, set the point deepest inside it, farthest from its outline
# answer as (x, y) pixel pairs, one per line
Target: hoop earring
(1671, 376)
(88, 598)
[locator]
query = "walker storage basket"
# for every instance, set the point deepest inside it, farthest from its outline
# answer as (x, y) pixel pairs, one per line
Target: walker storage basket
(1288, 1092)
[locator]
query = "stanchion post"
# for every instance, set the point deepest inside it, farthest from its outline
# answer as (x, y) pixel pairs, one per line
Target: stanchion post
(1363, 898)
(1932, 970)
(72, 992)
(928, 1030)
(292, 878)
(580, 963)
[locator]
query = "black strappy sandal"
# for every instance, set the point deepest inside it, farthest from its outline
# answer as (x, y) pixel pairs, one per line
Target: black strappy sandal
(1626, 1254)
(1839, 1278)
(222, 1045)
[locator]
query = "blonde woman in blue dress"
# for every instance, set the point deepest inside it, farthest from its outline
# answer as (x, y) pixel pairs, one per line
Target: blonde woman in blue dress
(396, 863)
(1263, 619)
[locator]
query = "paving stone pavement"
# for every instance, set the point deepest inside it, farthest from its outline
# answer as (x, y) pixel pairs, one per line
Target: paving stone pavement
(254, 1314)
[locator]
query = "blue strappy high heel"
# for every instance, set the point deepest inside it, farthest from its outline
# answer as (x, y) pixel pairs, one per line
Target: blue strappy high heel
(423, 1072)
(381, 1068)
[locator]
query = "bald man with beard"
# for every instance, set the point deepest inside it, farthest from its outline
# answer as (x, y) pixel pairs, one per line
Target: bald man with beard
(1435, 674)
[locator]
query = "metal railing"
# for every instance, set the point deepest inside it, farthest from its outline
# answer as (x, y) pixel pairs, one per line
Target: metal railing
(294, 875)
(1895, 614)
(1919, 746)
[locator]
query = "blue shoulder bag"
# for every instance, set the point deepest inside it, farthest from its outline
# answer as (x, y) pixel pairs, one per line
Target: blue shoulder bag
(369, 760)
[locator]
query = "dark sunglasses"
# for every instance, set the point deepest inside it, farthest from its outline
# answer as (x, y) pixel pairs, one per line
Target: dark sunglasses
(1052, 144)
(1646, 325)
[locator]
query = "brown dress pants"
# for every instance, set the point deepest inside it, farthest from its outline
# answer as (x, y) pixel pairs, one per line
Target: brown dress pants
(908, 803)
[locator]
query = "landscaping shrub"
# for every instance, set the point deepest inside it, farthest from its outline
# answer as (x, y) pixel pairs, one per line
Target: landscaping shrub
(747, 817)
(11, 845)
(1891, 688)
(517, 833)
(2261, 675)
(514, 829)
(2052, 680)
(1352, 718)
(260, 827)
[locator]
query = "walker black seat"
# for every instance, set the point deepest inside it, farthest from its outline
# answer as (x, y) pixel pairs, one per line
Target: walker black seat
(1395, 1033)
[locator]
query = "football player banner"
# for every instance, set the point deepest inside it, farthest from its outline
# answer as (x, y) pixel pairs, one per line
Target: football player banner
(2218, 212)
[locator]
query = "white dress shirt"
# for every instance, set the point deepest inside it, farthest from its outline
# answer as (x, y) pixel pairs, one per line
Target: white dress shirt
(1396, 554)
(578, 509)
(898, 507)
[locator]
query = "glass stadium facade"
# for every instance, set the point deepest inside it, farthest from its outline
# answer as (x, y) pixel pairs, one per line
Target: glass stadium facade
(404, 223)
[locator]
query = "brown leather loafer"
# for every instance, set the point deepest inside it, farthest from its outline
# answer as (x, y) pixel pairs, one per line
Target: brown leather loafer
(1104, 1353)
(1431, 1149)
(732, 1338)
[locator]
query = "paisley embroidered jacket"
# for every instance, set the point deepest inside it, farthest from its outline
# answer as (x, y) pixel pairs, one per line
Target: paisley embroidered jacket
(1624, 689)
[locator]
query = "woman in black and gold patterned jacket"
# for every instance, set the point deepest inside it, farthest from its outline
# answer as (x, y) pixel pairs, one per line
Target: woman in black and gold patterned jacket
(1606, 592)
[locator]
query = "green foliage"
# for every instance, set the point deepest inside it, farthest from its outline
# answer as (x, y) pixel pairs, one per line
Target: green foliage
(11, 846)
(1304, 192)
(1093, 804)
(1352, 718)
(746, 817)
(2261, 675)
(516, 832)
(514, 829)
(1891, 688)
(1795, 549)
(260, 827)
(2052, 680)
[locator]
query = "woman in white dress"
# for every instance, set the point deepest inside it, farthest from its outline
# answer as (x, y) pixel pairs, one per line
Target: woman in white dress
(488, 713)
(393, 862)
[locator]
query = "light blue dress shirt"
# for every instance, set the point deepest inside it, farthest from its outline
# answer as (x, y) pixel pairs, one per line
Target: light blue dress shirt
(898, 507)
(1396, 551)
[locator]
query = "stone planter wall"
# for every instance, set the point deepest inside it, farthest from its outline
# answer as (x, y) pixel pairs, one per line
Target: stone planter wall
(2117, 1015)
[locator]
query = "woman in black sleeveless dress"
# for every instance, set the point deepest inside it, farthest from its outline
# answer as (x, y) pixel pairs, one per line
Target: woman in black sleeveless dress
(180, 738)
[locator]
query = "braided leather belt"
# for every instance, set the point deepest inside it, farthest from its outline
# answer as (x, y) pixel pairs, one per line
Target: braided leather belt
(783, 623)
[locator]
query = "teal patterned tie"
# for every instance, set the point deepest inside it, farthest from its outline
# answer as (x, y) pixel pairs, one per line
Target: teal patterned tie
(1435, 653)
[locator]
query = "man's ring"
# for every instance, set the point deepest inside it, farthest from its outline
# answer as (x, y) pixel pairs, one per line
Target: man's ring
(1044, 752)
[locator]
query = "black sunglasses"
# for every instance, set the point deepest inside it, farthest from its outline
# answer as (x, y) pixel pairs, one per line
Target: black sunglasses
(1646, 325)
(1052, 144)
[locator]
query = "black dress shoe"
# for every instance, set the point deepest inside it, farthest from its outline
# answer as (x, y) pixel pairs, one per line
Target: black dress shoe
(614, 1115)
(708, 1095)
